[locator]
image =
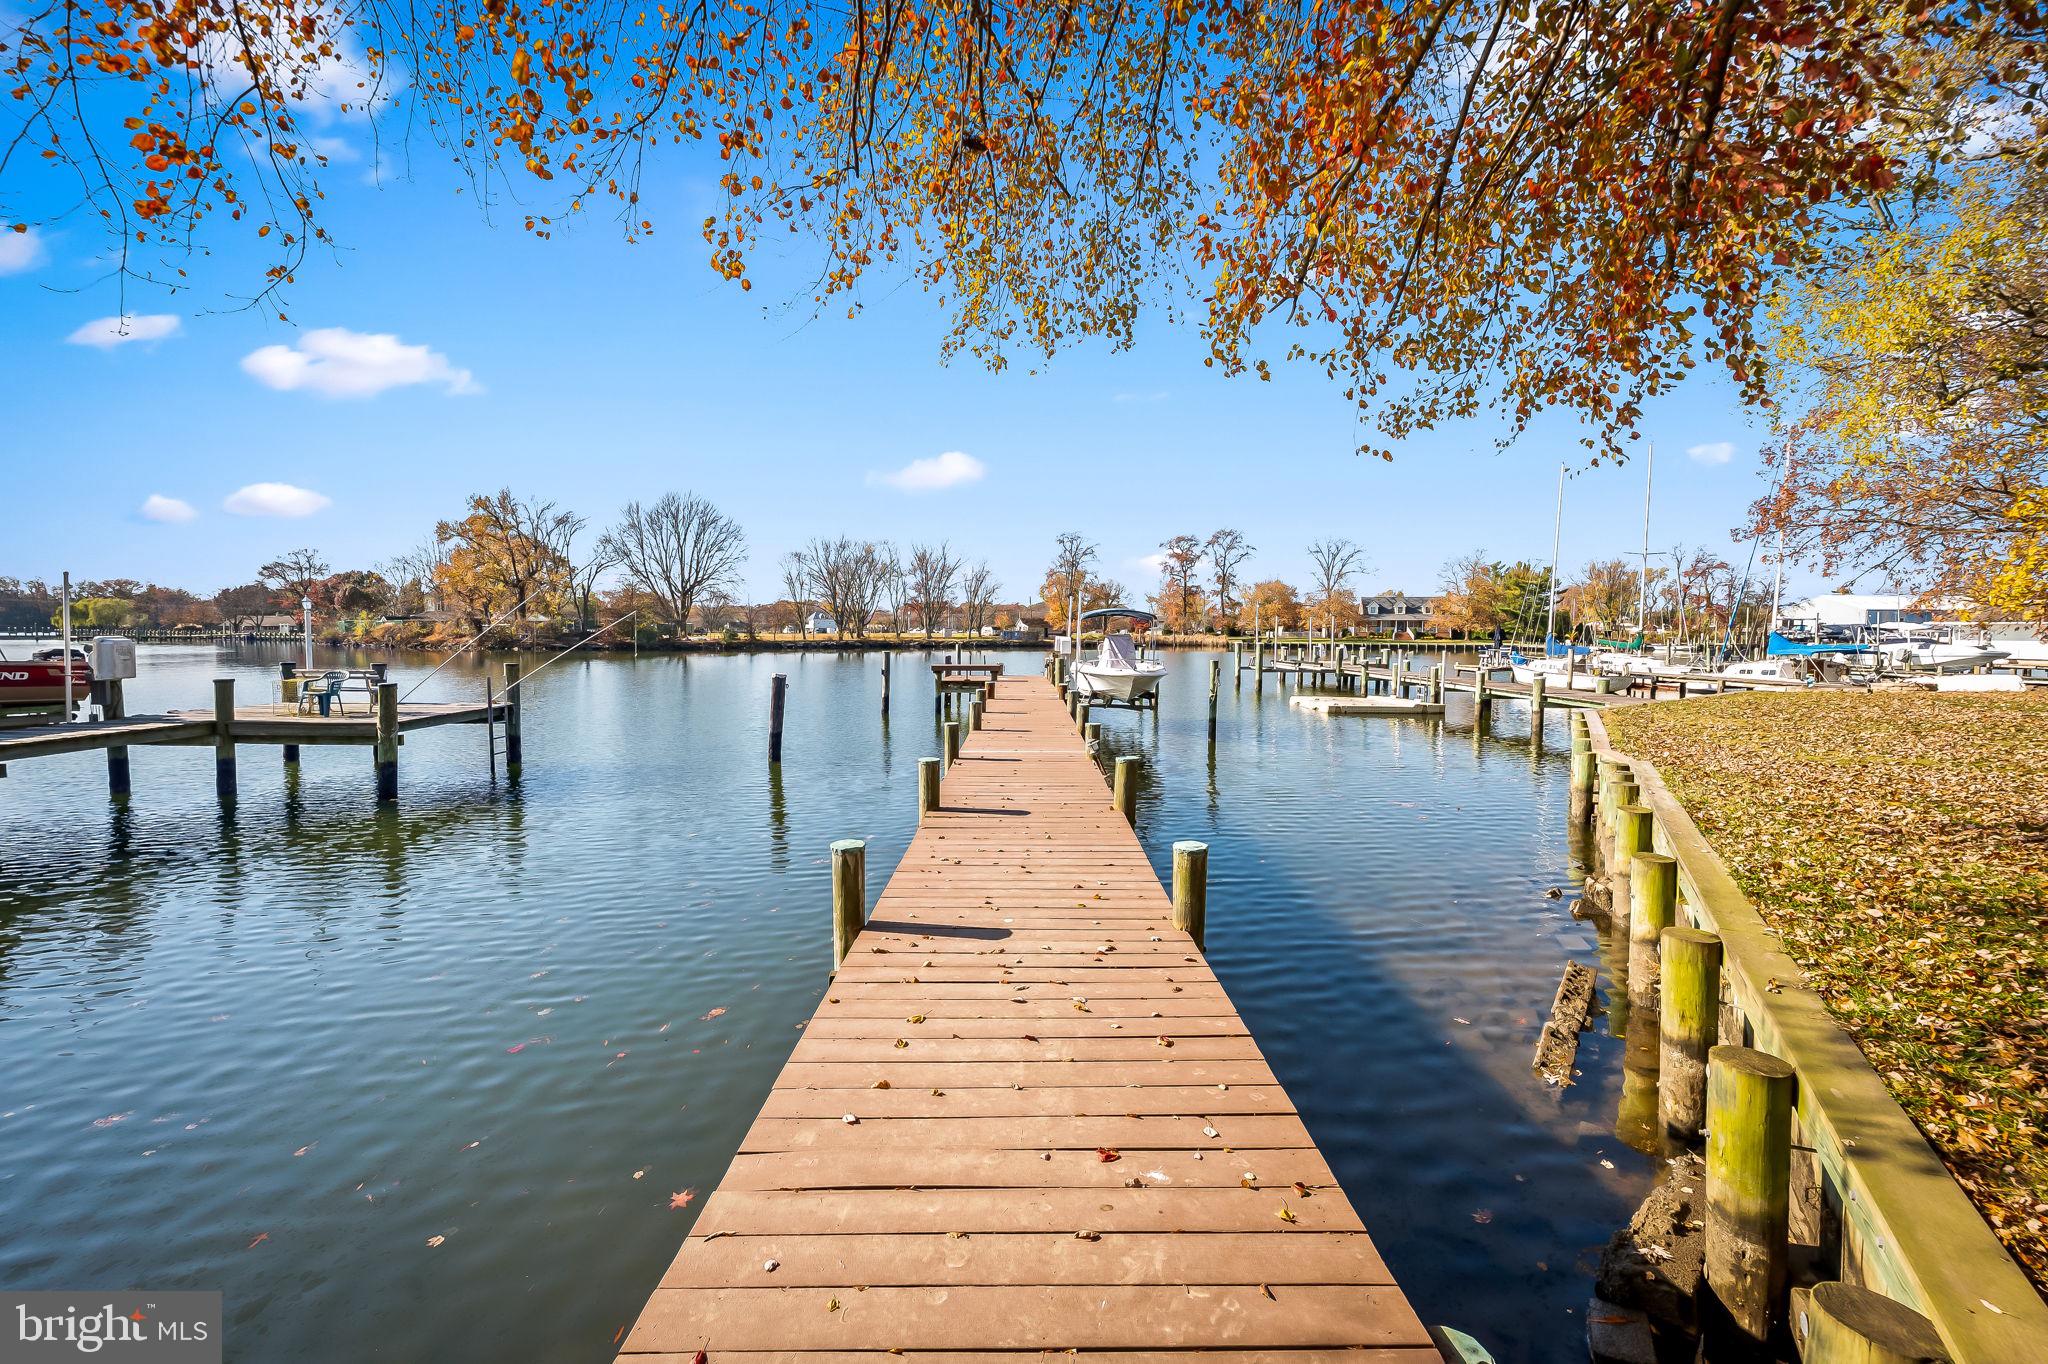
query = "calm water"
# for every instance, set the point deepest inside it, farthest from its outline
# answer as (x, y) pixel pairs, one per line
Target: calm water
(279, 1052)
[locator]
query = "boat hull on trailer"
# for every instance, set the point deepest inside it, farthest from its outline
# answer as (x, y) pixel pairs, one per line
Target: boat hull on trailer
(40, 682)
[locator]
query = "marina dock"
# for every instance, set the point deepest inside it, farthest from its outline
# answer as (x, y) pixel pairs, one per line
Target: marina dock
(1027, 1119)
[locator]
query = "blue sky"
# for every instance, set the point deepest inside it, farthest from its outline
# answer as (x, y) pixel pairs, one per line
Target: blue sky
(595, 372)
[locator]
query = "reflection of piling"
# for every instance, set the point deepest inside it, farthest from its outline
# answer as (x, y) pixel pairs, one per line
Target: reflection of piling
(1749, 1180)
(387, 743)
(778, 692)
(1126, 789)
(224, 739)
(849, 895)
(1635, 1119)
(1690, 1016)
(1191, 889)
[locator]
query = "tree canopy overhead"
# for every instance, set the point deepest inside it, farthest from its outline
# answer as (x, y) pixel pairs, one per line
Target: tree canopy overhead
(1442, 203)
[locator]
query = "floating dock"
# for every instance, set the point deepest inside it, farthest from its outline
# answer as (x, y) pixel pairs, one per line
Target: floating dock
(1366, 705)
(1025, 1120)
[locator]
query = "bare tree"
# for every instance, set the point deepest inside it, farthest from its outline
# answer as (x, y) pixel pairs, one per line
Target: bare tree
(896, 591)
(678, 550)
(1335, 560)
(293, 575)
(799, 581)
(932, 571)
(1227, 550)
(978, 588)
(849, 576)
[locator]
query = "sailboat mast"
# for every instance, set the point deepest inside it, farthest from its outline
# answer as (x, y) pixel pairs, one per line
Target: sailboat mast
(1643, 593)
(1556, 537)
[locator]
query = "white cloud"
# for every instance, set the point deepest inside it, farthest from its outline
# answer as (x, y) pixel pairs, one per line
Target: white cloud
(1713, 452)
(275, 499)
(109, 332)
(948, 470)
(157, 507)
(338, 363)
(1154, 564)
(19, 251)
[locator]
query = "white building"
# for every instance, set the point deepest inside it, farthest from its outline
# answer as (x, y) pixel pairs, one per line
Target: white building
(818, 623)
(1863, 608)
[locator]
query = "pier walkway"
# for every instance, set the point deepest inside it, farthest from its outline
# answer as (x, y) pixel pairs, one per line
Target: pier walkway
(1026, 1119)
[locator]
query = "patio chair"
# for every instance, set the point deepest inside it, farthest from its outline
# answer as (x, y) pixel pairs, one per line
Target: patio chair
(323, 691)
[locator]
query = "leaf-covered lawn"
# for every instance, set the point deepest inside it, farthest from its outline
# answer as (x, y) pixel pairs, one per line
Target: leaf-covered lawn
(1898, 841)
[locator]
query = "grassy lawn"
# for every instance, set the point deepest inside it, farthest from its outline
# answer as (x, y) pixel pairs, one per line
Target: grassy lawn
(1898, 841)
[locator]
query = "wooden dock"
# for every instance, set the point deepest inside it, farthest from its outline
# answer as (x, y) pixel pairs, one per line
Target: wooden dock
(1025, 1120)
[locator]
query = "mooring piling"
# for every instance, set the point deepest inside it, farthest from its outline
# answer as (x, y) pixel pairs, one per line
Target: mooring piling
(1653, 904)
(778, 691)
(1841, 1323)
(1126, 789)
(515, 753)
(1191, 888)
(1215, 686)
(1749, 1182)
(387, 743)
(224, 739)
(1689, 1018)
(1092, 733)
(885, 682)
(114, 708)
(849, 895)
(927, 787)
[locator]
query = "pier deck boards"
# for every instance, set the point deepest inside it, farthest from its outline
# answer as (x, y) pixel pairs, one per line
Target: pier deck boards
(1065, 1137)
(251, 725)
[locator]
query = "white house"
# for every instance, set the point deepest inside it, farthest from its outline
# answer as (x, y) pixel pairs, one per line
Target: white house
(818, 623)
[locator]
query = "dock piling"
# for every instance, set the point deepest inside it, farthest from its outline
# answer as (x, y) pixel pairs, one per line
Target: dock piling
(1749, 1181)
(1191, 888)
(1215, 685)
(952, 735)
(515, 762)
(885, 683)
(1845, 1324)
(849, 895)
(1689, 1021)
(1126, 789)
(114, 708)
(1092, 733)
(927, 787)
(224, 739)
(387, 743)
(1653, 904)
(778, 692)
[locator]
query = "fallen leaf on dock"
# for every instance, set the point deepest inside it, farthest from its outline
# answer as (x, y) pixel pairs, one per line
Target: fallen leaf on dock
(1286, 1214)
(1106, 1154)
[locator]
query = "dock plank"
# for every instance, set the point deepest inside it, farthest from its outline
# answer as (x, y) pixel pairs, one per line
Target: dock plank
(1026, 1118)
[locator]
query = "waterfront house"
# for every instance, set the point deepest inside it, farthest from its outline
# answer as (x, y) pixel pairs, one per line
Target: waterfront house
(819, 623)
(1388, 613)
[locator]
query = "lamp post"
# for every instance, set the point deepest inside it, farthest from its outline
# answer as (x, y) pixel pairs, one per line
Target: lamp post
(306, 628)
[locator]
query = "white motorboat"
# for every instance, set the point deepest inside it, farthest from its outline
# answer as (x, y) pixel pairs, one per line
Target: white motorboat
(1116, 673)
(1942, 648)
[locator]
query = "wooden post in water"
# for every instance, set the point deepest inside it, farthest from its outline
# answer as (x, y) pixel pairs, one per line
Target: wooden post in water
(1653, 904)
(1689, 1020)
(885, 682)
(1631, 824)
(515, 753)
(1092, 733)
(1582, 783)
(1060, 690)
(927, 787)
(952, 742)
(112, 705)
(387, 743)
(1843, 1324)
(849, 895)
(1536, 689)
(1436, 685)
(1215, 685)
(1081, 719)
(1749, 1185)
(778, 691)
(224, 739)
(1126, 789)
(1191, 888)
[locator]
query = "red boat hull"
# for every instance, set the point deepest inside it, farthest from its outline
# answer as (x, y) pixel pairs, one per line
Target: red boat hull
(42, 684)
